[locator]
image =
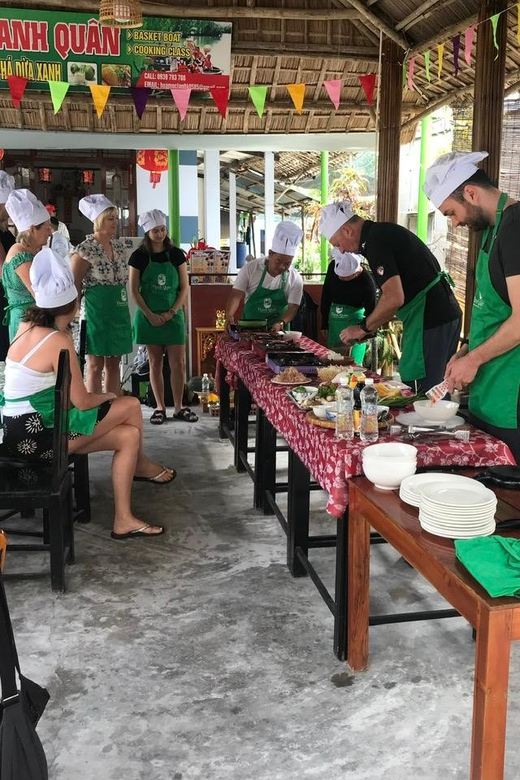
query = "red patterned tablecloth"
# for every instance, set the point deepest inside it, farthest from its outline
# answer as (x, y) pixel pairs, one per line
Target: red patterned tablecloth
(333, 462)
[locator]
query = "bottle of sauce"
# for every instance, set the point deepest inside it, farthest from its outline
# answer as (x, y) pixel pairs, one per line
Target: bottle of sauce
(356, 415)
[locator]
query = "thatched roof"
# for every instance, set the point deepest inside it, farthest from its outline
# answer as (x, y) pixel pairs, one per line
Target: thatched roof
(279, 42)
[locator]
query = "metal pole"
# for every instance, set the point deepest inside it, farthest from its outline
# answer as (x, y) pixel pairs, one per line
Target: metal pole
(422, 202)
(324, 201)
(174, 200)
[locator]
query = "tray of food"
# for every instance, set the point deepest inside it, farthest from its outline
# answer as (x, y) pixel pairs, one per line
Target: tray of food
(306, 362)
(302, 396)
(290, 376)
(396, 395)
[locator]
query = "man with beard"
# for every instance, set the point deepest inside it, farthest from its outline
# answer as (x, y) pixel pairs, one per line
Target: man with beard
(490, 363)
(413, 288)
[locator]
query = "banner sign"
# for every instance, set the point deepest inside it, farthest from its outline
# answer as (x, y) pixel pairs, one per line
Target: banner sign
(44, 46)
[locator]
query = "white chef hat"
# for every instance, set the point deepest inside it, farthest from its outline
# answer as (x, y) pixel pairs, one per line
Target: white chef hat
(333, 217)
(286, 239)
(25, 209)
(448, 172)
(93, 205)
(6, 186)
(345, 263)
(152, 219)
(51, 280)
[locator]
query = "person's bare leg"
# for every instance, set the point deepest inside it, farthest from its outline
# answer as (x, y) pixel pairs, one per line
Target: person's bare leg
(123, 440)
(177, 361)
(95, 365)
(155, 358)
(113, 375)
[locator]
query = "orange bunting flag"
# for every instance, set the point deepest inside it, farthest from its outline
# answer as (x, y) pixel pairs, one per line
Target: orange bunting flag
(297, 93)
(440, 50)
(17, 86)
(100, 95)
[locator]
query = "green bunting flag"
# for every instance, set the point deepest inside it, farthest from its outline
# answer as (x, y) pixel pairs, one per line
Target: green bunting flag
(258, 96)
(427, 64)
(58, 91)
(494, 23)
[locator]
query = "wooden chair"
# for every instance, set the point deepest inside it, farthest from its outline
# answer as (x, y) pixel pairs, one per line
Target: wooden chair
(25, 485)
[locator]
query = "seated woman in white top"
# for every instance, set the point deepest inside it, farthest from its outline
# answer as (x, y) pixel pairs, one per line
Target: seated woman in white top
(97, 421)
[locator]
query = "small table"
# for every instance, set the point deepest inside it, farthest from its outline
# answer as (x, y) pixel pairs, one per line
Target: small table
(207, 340)
(496, 621)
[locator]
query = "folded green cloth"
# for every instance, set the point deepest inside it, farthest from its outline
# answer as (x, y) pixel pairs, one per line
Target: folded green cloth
(494, 561)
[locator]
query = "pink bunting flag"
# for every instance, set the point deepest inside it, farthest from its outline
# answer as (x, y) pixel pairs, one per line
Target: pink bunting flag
(411, 68)
(181, 98)
(456, 48)
(17, 86)
(369, 86)
(333, 88)
(469, 38)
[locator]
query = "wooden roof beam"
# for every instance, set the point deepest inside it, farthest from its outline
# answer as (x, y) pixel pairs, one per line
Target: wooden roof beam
(379, 23)
(309, 51)
(418, 15)
(443, 35)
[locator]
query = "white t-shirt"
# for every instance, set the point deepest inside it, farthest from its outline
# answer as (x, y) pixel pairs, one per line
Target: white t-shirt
(250, 274)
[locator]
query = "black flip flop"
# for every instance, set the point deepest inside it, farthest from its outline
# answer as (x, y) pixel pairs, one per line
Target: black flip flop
(139, 532)
(158, 417)
(157, 479)
(186, 415)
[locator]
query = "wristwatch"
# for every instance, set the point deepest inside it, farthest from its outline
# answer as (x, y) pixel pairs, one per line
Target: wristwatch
(363, 326)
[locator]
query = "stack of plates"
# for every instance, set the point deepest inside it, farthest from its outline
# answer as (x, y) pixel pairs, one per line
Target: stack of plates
(451, 506)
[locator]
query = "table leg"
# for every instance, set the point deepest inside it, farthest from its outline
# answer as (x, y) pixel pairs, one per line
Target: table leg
(492, 657)
(298, 500)
(340, 597)
(242, 407)
(224, 410)
(358, 585)
(258, 495)
(268, 466)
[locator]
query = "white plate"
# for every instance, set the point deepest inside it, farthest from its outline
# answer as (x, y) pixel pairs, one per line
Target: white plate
(457, 523)
(411, 487)
(487, 531)
(446, 495)
(412, 418)
(275, 381)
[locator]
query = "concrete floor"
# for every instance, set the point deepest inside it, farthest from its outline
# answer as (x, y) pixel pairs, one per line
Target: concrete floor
(196, 655)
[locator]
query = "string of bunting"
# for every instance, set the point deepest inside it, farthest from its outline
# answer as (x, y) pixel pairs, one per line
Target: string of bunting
(409, 65)
(181, 95)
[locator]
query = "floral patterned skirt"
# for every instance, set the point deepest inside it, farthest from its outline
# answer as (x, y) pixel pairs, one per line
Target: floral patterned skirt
(26, 437)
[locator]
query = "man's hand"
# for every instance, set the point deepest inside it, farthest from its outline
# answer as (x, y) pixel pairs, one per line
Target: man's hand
(463, 351)
(156, 320)
(230, 320)
(461, 371)
(351, 334)
(278, 326)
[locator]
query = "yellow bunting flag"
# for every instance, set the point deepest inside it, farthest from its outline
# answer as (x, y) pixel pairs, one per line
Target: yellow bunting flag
(100, 95)
(297, 93)
(440, 50)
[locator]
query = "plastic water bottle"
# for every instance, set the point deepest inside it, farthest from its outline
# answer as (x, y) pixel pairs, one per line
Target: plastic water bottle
(344, 427)
(204, 392)
(369, 431)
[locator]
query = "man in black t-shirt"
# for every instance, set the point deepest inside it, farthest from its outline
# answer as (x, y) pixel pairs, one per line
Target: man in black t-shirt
(490, 363)
(413, 289)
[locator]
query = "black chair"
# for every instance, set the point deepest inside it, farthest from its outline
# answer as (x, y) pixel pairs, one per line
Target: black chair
(28, 486)
(306, 318)
(79, 463)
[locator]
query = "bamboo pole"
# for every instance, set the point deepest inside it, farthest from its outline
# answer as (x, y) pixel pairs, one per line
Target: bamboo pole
(379, 23)
(389, 132)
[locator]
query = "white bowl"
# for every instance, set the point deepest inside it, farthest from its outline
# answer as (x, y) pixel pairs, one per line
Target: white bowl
(386, 473)
(440, 412)
(390, 451)
(293, 335)
(310, 392)
(321, 410)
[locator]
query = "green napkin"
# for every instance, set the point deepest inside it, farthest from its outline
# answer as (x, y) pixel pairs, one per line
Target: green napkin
(494, 561)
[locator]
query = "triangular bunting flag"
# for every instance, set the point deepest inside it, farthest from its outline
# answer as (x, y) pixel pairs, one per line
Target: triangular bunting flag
(258, 96)
(181, 97)
(221, 97)
(456, 48)
(297, 93)
(100, 95)
(58, 91)
(469, 37)
(369, 85)
(411, 68)
(427, 64)
(140, 97)
(494, 23)
(333, 88)
(404, 74)
(440, 52)
(17, 86)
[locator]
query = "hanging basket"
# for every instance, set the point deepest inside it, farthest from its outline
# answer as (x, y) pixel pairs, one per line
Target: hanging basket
(121, 13)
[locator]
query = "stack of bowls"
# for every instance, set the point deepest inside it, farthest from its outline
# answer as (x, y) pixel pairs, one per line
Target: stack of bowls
(386, 465)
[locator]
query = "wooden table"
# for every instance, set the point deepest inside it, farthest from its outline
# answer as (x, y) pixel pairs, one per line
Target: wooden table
(496, 620)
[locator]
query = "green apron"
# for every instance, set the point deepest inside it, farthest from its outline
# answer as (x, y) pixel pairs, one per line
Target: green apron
(109, 330)
(82, 422)
(266, 304)
(340, 317)
(13, 317)
(411, 365)
(159, 287)
(493, 394)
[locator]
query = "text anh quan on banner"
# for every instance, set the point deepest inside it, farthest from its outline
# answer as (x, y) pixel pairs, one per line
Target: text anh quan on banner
(73, 48)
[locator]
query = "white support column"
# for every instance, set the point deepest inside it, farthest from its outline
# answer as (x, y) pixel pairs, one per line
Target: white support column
(269, 199)
(233, 221)
(212, 197)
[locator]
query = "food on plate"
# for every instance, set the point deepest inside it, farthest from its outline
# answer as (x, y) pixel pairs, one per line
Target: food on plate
(326, 392)
(385, 390)
(290, 375)
(328, 374)
(331, 355)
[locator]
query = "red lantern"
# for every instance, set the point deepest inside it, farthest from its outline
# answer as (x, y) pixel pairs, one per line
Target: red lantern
(87, 177)
(45, 175)
(2, 154)
(155, 161)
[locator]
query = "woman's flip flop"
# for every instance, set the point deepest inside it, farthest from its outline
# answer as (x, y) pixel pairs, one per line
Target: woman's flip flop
(157, 480)
(138, 532)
